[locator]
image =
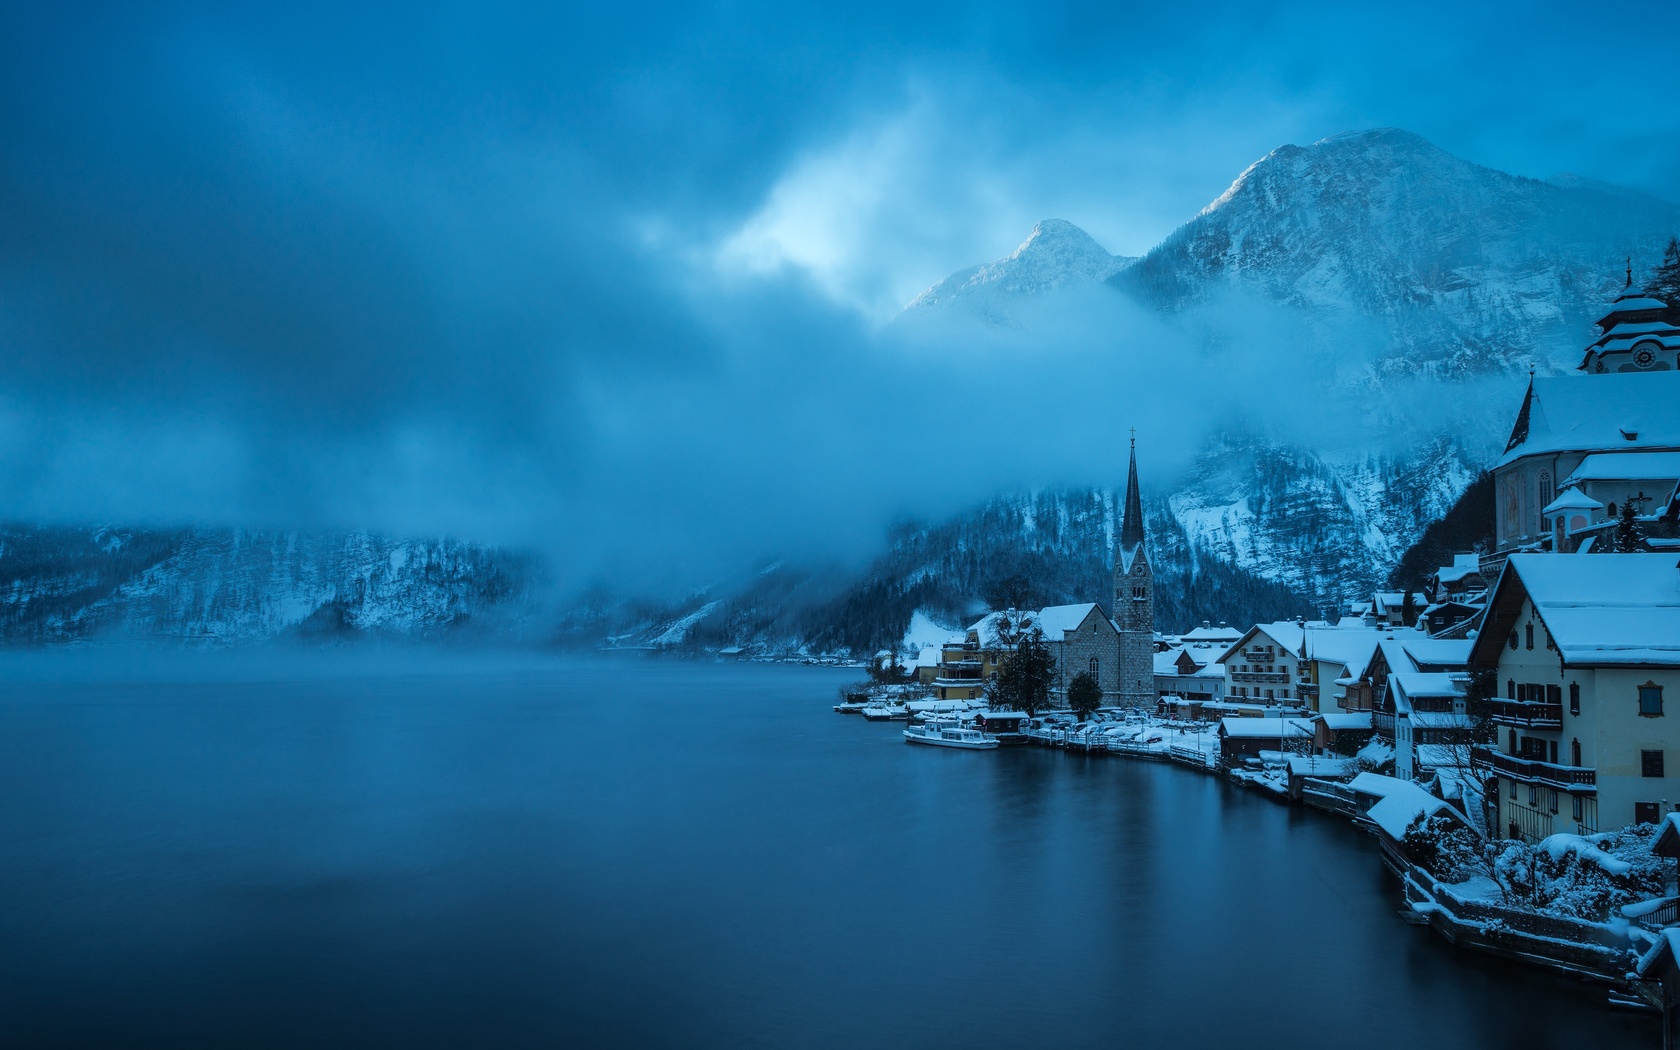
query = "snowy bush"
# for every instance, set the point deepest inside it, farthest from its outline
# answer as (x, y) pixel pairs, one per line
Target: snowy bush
(1445, 848)
(1583, 877)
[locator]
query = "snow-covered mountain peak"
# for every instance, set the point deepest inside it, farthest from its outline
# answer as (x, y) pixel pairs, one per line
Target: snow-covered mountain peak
(1055, 253)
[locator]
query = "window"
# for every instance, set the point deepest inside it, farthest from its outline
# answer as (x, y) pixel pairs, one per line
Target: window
(1574, 752)
(1551, 800)
(1513, 637)
(1646, 813)
(1513, 789)
(1546, 493)
(1650, 699)
(1529, 630)
(1554, 694)
(1575, 807)
(1513, 747)
(1574, 698)
(1549, 643)
(1533, 797)
(1650, 763)
(1511, 683)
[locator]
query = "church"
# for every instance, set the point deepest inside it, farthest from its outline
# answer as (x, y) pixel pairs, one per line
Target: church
(1582, 446)
(1134, 602)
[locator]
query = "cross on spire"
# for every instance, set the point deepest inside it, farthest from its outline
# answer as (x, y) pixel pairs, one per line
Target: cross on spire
(1134, 437)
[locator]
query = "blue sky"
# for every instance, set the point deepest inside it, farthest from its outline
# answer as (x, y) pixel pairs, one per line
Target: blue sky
(610, 279)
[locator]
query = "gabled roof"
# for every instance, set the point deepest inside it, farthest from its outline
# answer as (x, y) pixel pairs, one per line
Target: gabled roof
(1601, 609)
(1057, 620)
(1438, 654)
(1627, 466)
(1575, 499)
(1403, 804)
(1275, 728)
(1349, 646)
(1462, 565)
(1598, 413)
(1287, 634)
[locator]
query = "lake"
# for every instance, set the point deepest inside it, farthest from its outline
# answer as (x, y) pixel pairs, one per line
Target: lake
(475, 851)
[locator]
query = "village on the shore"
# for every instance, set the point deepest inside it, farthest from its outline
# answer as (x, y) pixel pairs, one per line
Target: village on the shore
(1504, 732)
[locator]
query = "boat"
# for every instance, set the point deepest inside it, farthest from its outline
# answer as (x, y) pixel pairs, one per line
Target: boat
(851, 707)
(881, 711)
(939, 735)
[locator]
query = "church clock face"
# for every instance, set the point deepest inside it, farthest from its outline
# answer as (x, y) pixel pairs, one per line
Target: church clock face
(1643, 357)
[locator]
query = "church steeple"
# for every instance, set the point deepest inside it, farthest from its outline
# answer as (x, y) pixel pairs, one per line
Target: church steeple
(1134, 600)
(1131, 519)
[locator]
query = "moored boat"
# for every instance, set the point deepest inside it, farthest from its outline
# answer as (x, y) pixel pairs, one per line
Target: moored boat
(881, 711)
(939, 735)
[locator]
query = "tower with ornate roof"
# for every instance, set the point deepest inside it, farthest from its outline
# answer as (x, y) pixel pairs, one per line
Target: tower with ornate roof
(1640, 333)
(1134, 601)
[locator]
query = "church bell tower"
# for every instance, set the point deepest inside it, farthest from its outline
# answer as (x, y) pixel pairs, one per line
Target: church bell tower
(1134, 600)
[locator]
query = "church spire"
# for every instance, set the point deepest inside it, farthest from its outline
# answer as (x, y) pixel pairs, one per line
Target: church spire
(1131, 519)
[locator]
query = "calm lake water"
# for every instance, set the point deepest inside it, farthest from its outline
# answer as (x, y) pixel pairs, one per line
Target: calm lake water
(657, 854)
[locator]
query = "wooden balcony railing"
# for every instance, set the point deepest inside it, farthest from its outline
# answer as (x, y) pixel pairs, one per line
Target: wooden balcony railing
(1534, 771)
(1527, 713)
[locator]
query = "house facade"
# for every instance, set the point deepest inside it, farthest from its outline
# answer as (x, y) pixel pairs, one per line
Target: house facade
(1586, 650)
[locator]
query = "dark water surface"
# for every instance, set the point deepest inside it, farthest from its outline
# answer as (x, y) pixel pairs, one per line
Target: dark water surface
(657, 854)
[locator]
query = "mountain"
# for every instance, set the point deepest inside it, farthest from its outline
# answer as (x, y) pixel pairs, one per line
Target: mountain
(1404, 266)
(1055, 253)
(1465, 269)
(211, 586)
(1032, 549)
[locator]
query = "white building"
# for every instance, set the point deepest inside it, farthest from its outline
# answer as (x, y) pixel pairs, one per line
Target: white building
(1587, 653)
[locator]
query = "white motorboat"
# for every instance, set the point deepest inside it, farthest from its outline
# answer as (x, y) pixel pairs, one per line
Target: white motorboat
(881, 711)
(939, 735)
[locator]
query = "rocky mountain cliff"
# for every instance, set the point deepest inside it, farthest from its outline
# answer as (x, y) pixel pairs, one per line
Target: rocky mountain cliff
(225, 585)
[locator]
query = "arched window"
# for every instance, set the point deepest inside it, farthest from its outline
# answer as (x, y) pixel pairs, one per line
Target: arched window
(1546, 494)
(1513, 637)
(1530, 630)
(1574, 752)
(1093, 667)
(1510, 688)
(1575, 700)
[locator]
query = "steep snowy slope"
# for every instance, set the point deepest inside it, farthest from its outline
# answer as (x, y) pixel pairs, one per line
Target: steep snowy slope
(1468, 270)
(1055, 254)
(226, 585)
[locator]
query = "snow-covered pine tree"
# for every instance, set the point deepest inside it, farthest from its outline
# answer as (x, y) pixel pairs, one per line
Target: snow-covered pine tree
(1665, 279)
(1629, 537)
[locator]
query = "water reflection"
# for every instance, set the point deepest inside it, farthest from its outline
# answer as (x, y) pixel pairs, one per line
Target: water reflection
(662, 854)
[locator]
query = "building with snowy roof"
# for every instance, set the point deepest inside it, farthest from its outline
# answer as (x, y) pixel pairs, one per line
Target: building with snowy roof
(1561, 425)
(1080, 637)
(1587, 654)
(1192, 673)
(1637, 334)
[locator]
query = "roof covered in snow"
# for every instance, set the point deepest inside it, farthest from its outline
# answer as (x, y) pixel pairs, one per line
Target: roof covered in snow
(1601, 609)
(1575, 499)
(1462, 565)
(1275, 728)
(1346, 721)
(1627, 466)
(1351, 647)
(1404, 803)
(1417, 684)
(1613, 412)
(1437, 653)
(1055, 621)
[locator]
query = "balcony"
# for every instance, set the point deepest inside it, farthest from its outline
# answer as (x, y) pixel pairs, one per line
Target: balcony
(1267, 677)
(1383, 723)
(1528, 713)
(1534, 771)
(1263, 656)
